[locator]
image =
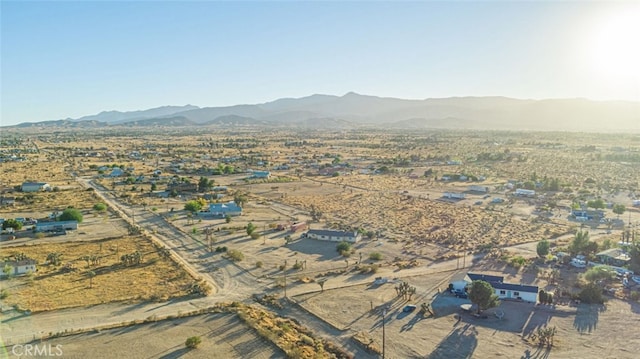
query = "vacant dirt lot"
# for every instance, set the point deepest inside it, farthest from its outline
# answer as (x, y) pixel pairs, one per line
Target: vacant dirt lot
(223, 336)
(52, 287)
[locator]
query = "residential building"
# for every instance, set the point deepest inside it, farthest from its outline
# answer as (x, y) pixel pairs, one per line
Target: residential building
(614, 256)
(18, 267)
(56, 226)
(333, 236)
(35, 187)
(223, 209)
(527, 293)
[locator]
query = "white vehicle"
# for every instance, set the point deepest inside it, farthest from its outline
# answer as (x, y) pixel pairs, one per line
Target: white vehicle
(578, 263)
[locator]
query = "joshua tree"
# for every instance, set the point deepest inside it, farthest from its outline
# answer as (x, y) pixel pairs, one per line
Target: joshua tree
(90, 275)
(321, 283)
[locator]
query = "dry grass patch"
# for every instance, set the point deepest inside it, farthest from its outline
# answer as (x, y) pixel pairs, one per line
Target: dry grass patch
(53, 287)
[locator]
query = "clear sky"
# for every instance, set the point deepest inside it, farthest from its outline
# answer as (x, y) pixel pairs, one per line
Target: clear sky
(69, 59)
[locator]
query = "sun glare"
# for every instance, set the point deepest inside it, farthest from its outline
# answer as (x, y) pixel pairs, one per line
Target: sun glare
(615, 45)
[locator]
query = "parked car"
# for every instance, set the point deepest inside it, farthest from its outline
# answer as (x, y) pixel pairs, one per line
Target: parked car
(409, 308)
(461, 294)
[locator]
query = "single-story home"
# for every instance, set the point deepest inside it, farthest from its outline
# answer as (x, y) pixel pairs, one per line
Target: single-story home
(222, 210)
(333, 236)
(18, 267)
(56, 226)
(35, 186)
(588, 214)
(614, 256)
(476, 188)
(527, 293)
(260, 174)
(116, 172)
(7, 201)
(525, 192)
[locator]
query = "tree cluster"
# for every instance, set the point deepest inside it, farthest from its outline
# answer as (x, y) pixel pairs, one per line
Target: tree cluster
(132, 258)
(405, 290)
(545, 297)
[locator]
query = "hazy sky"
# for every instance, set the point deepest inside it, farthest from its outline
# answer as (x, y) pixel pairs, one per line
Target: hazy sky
(69, 59)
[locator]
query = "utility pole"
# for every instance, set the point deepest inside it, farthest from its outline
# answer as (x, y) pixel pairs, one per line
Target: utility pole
(384, 313)
(285, 282)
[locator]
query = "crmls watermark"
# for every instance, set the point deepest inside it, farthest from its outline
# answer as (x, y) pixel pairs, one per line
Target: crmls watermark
(32, 350)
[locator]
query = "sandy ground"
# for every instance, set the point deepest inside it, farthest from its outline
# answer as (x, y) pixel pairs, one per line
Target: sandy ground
(223, 336)
(584, 331)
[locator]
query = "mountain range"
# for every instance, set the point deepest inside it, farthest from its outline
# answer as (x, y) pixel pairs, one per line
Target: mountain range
(361, 111)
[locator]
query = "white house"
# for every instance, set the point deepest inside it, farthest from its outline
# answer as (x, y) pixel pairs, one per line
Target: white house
(18, 267)
(333, 236)
(35, 186)
(525, 192)
(453, 195)
(527, 293)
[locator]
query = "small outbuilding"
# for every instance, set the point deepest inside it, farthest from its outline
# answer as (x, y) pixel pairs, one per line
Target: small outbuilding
(35, 186)
(18, 267)
(333, 236)
(56, 226)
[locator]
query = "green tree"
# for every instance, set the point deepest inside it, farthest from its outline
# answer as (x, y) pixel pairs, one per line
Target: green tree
(90, 275)
(481, 293)
(205, 184)
(12, 223)
(195, 205)
(154, 187)
(71, 214)
(591, 293)
(599, 274)
(343, 248)
(240, 199)
(579, 242)
(596, 204)
(250, 228)
(227, 218)
(193, 342)
(619, 209)
(543, 248)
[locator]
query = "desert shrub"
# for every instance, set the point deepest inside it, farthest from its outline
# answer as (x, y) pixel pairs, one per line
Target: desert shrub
(193, 342)
(100, 206)
(221, 249)
(343, 247)
(39, 235)
(4, 294)
(376, 256)
(298, 265)
(517, 261)
(235, 255)
(635, 295)
(259, 264)
(307, 339)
